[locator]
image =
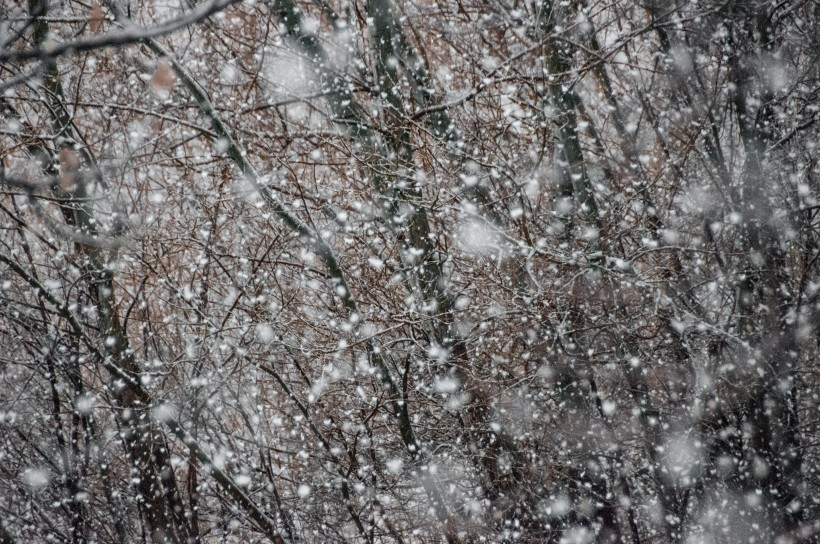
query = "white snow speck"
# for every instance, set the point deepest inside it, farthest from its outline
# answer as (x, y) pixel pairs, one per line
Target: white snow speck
(476, 237)
(36, 478)
(446, 385)
(264, 333)
(395, 465)
(84, 403)
(163, 412)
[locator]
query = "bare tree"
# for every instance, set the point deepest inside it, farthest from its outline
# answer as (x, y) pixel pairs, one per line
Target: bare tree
(371, 271)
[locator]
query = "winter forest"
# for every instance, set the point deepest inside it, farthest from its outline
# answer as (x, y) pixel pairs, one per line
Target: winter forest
(409, 271)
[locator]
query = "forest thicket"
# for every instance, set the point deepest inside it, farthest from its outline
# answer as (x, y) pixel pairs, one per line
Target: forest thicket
(409, 271)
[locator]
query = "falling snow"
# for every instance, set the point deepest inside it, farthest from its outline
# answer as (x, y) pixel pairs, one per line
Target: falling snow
(387, 271)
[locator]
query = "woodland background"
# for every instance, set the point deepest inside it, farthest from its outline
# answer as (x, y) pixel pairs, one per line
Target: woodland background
(409, 271)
